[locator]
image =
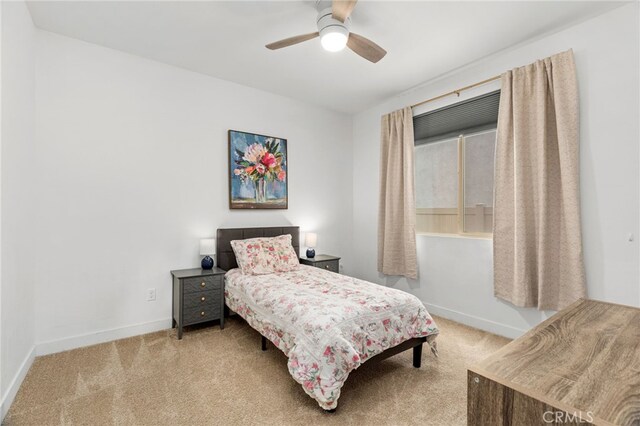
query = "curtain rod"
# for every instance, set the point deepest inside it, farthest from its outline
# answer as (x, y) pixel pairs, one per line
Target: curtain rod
(457, 91)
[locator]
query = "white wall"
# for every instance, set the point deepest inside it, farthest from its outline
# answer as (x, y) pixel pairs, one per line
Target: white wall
(2, 399)
(17, 278)
(456, 277)
(132, 171)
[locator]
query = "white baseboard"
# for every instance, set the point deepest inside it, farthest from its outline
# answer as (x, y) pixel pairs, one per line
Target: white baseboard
(12, 390)
(68, 343)
(475, 322)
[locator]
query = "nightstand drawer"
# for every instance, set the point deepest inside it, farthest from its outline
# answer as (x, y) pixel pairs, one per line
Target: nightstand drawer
(202, 313)
(323, 261)
(329, 265)
(202, 298)
(211, 282)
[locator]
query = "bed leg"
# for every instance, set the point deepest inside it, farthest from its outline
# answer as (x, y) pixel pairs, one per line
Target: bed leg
(417, 355)
(264, 343)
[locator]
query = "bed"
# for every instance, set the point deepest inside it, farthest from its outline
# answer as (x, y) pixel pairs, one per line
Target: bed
(327, 324)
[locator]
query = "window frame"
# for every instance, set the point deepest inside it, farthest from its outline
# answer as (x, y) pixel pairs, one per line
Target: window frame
(461, 233)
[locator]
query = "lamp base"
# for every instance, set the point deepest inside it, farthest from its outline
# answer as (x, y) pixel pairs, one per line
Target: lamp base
(207, 262)
(311, 253)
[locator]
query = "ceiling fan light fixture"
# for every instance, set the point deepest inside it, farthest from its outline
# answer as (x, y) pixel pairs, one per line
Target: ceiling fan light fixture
(334, 39)
(333, 22)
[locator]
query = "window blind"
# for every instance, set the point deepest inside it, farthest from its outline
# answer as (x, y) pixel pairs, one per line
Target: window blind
(473, 115)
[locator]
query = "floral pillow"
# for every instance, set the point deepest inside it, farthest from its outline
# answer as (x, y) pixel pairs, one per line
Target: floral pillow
(283, 255)
(257, 256)
(249, 256)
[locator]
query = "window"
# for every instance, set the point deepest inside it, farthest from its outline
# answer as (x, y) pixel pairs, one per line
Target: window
(454, 164)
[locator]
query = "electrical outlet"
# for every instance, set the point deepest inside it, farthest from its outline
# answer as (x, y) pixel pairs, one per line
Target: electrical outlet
(151, 294)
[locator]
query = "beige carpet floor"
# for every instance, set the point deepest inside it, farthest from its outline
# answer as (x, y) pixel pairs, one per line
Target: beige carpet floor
(222, 377)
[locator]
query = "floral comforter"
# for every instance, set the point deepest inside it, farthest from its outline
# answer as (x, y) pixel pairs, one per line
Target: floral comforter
(327, 324)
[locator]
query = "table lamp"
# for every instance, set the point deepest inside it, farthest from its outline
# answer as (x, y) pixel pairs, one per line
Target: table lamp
(207, 247)
(310, 240)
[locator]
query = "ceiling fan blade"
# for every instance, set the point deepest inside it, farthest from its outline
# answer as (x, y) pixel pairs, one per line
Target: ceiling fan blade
(291, 41)
(341, 9)
(365, 48)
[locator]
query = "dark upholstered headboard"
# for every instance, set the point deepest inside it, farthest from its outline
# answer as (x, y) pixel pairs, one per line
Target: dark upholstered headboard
(225, 257)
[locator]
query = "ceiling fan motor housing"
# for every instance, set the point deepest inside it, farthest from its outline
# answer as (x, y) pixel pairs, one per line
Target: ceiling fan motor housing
(326, 23)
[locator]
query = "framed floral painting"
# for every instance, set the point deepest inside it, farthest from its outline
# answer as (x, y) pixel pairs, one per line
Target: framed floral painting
(257, 171)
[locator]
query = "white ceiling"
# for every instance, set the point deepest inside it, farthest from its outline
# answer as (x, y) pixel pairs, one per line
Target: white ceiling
(226, 39)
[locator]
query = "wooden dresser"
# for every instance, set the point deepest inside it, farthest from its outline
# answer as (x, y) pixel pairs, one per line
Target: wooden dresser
(580, 366)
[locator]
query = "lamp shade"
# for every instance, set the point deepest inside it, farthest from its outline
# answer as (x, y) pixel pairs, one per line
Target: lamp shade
(311, 239)
(207, 247)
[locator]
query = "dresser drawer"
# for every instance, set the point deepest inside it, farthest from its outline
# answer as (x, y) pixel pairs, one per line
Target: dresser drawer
(198, 314)
(212, 282)
(329, 265)
(202, 298)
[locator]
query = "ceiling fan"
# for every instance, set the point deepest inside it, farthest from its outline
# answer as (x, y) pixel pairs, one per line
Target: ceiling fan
(333, 30)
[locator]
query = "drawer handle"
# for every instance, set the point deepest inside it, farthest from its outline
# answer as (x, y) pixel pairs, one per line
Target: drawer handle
(202, 284)
(203, 298)
(202, 313)
(326, 267)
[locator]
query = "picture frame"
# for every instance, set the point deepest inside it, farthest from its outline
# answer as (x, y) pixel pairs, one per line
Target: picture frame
(258, 171)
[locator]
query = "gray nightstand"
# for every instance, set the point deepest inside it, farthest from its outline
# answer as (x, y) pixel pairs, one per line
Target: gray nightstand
(323, 261)
(198, 296)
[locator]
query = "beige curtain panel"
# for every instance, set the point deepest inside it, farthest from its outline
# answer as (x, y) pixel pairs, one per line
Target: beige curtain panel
(397, 210)
(537, 241)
